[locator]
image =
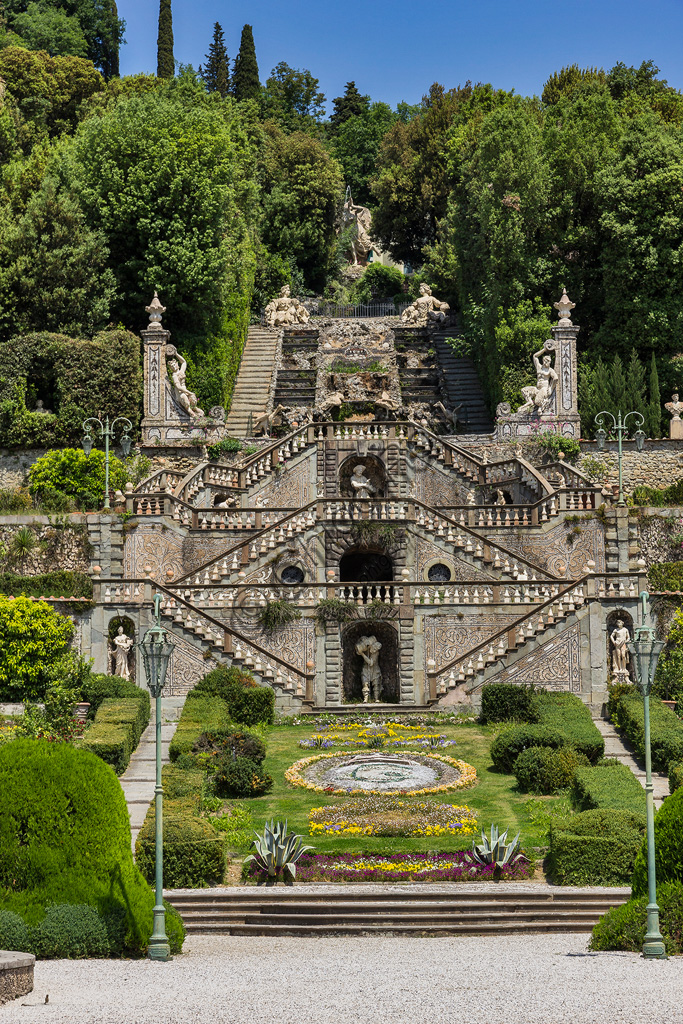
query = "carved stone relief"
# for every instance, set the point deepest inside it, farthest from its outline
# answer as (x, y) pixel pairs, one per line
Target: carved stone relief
(426, 552)
(148, 545)
(287, 489)
(436, 488)
(555, 665)
(188, 665)
(448, 638)
(554, 551)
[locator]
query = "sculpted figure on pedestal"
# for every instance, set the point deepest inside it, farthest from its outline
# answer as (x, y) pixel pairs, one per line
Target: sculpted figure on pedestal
(182, 394)
(620, 636)
(122, 645)
(361, 216)
(284, 311)
(674, 408)
(360, 483)
(371, 678)
(425, 310)
(538, 397)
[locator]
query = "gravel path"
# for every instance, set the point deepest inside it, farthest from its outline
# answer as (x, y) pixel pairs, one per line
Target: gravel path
(549, 979)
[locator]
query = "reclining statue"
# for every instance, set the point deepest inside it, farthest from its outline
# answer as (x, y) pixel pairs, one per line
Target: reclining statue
(284, 311)
(425, 310)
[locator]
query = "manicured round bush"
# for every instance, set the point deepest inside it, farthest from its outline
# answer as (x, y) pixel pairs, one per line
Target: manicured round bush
(624, 927)
(33, 636)
(546, 770)
(248, 703)
(70, 931)
(69, 471)
(240, 776)
(237, 744)
(65, 837)
(507, 747)
(14, 934)
(668, 846)
(502, 702)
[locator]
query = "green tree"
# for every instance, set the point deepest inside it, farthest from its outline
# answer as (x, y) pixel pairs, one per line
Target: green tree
(635, 399)
(216, 70)
(49, 29)
(165, 61)
(33, 638)
(98, 21)
(567, 81)
(356, 146)
(245, 77)
(292, 99)
(48, 91)
(302, 193)
(351, 104)
(70, 471)
(653, 414)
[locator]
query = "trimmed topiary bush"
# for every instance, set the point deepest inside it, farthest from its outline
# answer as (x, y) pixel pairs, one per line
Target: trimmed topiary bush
(70, 931)
(569, 715)
(668, 846)
(237, 744)
(610, 784)
(194, 852)
(202, 712)
(624, 927)
(595, 847)
(666, 728)
(14, 934)
(117, 729)
(240, 777)
(545, 770)
(248, 703)
(675, 775)
(502, 702)
(97, 688)
(507, 747)
(65, 838)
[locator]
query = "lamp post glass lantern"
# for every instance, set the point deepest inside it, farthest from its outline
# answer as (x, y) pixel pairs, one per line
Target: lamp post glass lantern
(107, 432)
(156, 649)
(645, 650)
(620, 428)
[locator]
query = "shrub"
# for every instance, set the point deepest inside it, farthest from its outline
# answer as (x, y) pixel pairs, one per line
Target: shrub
(70, 931)
(238, 744)
(194, 853)
(202, 712)
(15, 500)
(65, 837)
(668, 846)
(60, 583)
(73, 473)
(596, 847)
(675, 775)
(666, 729)
(624, 927)
(507, 747)
(240, 777)
(671, 495)
(248, 703)
(546, 770)
(116, 731)
(33, 637)
(175, 928)
(610, 784)
(98, 687)
(569, 715)
(666, 576)
(228, 446)
(276, 614)
(14, 934)
(333, 609)
(502, 702)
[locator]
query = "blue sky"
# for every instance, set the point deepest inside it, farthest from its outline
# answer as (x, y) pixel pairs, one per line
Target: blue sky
(395, 49)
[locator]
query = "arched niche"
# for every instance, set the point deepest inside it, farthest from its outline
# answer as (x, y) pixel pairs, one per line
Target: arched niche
(374, 471)
(115, 664)
(611, 624)
(352, 662)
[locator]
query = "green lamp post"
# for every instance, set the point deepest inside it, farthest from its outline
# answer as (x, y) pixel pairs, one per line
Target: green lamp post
(156, 651)
(107, 432)
(645, 650)
(620, 428)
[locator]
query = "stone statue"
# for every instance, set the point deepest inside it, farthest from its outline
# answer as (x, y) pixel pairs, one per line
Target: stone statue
(674, 407)
(500, 497)
(538, 398)
(122, 645)
(425, 310)
(619, 637)
(362, 218)
(369, 647)
(40, 408)
(284, 311)
(182, 394)
(360, 483)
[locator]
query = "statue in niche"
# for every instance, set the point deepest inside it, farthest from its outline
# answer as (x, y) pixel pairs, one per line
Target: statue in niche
(182, 394)
(538, 398)
(284, 311)
(362, 218)
(619, 637)
(40, 408)
(674, 408)
(122, 645)
(360, 483)
(371, 678)
(425, 310)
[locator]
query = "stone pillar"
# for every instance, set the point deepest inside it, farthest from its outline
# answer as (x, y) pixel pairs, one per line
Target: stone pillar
(154, 340)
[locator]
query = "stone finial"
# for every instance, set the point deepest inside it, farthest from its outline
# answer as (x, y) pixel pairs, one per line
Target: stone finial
(564, 308)
(155, 310)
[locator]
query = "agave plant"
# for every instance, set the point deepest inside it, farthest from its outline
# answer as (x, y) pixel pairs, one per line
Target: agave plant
(497, 852)
(276, 853)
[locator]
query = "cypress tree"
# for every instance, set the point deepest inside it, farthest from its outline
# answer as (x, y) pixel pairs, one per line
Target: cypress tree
(245, 80)
(351, 104)
(653, 416)
(165, 62)
(216, 72)
(635, 387)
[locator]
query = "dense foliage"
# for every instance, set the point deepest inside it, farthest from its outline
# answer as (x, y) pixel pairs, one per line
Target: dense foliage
(624, 927)
(34, 638)
(597, 847)
(668, 847)
(666, 728)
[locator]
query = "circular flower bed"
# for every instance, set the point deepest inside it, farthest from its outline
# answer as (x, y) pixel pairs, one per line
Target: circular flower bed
(411, 774)
(387, 734)
(392, 816)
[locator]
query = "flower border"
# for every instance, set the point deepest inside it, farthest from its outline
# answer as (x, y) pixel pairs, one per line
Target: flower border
(468, 775)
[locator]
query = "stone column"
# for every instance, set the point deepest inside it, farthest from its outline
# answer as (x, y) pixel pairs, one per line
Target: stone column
(154, 340)
(564, 336)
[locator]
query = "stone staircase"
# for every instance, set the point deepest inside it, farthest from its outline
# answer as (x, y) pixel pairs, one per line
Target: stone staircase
(615, 747)
(252, 386)
(462, 385)
(414, 909)
(138, 780)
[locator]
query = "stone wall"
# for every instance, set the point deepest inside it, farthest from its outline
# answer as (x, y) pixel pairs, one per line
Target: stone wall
(62, 543)
(16, 975)
(14, 466)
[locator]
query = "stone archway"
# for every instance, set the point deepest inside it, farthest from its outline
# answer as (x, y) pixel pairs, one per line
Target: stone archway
(374, 471)
(352, 663)
(128, 627)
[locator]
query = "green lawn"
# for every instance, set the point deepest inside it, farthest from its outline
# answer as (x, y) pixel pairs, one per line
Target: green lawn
(494, 797)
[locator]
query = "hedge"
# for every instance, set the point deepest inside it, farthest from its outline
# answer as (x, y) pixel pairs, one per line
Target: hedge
(501, 702)
(611, 784)
(65, 838)
(116, 731)
(194, 852)
(60, 583)
(666, 729)
(545, 770)
(597, 847)
(248, 703)
(569, 715)
(624, 927)
(507, 747)
(201, 713)
(668, 847)
(666, 576)
(675, 775)
(555, 720)
(97, 687)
